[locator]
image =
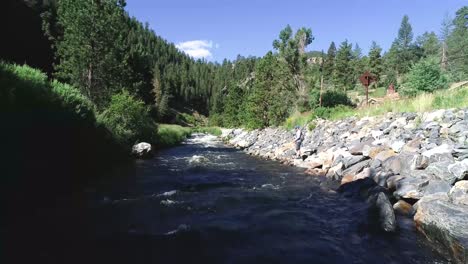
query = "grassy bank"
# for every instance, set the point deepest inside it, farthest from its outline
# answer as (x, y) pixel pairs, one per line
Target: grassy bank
(52, 142)
(171, 135)
(443, 99)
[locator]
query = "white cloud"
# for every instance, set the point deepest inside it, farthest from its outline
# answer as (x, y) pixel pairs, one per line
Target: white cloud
(197, 48)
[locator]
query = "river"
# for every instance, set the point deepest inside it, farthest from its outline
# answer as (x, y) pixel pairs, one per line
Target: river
(204, 202)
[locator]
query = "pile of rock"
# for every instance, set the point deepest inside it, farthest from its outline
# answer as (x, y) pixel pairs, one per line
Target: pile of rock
(421, 159)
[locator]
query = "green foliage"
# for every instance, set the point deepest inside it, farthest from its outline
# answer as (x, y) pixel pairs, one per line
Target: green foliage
(56, 125)
(74, 100)
(454, 99)
(375, 61)
(329, 63)
(171, 135)
(344, 72)
(262, 107)
(333, 113)
(297, 119)
(334, 98)
(424, 76)
(129, 120)
(90, 52)
(457, 43)
(215, 131)
(429, 44)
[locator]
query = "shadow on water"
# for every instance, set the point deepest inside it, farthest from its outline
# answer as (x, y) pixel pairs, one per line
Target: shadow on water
(207, 203)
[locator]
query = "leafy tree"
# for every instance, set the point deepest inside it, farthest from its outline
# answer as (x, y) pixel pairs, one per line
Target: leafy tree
(424, 76)
(271, 82)
(343, 66)
(129, 119)
(292, 50)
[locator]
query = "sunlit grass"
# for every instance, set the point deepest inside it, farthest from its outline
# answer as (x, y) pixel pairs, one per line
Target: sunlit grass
(171, 135)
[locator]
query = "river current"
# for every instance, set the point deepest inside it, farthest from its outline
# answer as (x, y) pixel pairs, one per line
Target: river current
(205, 202)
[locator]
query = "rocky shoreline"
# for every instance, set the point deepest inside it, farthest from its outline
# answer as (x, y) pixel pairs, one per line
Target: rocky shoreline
(419, 160)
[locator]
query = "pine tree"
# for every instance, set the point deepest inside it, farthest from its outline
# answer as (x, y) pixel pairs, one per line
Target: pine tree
(429, 43)
(343, 66)
(457, 43)
(329, 63)
(375, 60)
(90, 52)
(403, 53)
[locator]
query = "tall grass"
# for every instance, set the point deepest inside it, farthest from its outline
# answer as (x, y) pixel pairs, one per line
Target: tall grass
(171, 135)
(443, 99)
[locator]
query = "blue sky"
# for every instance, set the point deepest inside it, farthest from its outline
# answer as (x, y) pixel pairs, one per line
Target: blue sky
(218, 29)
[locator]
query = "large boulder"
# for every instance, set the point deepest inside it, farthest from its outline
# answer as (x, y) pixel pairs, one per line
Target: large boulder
(441, 171)
(380, 208)
(418, 184)
(439, 150)
(459, 169)
(142, 150)
(445, 224)
(459, 193)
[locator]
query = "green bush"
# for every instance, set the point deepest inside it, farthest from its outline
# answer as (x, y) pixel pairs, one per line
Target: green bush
(424, 76)
(334, 98)
(73, 100)
(333, 113)
(23, 87)
(128, 119)
(314, 98)
(171, 135)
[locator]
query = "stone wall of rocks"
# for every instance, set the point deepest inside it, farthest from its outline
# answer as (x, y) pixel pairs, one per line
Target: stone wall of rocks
(422, 159)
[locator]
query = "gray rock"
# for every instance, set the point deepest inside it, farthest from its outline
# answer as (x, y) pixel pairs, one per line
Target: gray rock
(411, 186)
(436, 186)
(381, 178)
(459, 169)
(386, 214)
(397, 145)
(142, 150)
(459, 193)
(380, 207)
(445, 225)
(356, 168)
(420, 162)
(442, 149)
(440, 170)
(351, 160)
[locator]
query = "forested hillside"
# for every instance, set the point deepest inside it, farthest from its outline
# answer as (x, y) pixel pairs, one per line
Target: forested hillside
(100, 49)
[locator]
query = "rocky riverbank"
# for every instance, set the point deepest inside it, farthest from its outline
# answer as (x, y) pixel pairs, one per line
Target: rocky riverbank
(420, 159)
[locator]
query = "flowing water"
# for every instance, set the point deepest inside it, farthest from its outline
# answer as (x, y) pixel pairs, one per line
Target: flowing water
(204, 202)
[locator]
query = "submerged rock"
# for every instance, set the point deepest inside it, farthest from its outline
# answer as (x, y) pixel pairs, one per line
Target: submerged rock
(380, 209)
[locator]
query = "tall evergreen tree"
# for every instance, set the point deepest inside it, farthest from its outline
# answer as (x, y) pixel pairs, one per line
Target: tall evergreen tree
(90, 52)
(403, 52)
(343, 67)
(329, 63)
(457, 43)
(429, 43)
(375, 60)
